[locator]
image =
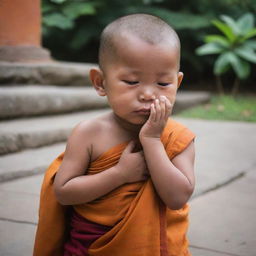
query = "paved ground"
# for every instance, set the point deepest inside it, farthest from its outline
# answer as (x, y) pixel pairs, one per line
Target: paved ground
(223, 207)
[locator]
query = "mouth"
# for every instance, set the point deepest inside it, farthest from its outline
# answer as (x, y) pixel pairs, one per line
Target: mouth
(143, 111)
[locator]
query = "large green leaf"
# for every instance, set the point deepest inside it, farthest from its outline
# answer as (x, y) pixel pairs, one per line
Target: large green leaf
(250, 34)
(58, 1)
(225, 60)
(57, 20)
(232, 24)
(152, 1)
(82, 36)
(221, 65)
(46, 7)
(211, 48)
(246, 53)
(225, 29)
(187, 21)
(246, 23)
(76, 9)
(240, 67)
(179, 20)
(250, 44)
(217, 39)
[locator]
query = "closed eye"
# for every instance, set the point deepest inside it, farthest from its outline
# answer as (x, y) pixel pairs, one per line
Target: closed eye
(130, 82)
(163, 84)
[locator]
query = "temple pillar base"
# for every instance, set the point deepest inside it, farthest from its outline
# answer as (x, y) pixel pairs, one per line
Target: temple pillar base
(24, 54)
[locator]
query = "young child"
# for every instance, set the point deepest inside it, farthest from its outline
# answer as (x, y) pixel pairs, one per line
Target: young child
(122, 185)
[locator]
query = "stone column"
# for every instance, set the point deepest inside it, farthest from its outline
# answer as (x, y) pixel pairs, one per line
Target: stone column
(20, 31)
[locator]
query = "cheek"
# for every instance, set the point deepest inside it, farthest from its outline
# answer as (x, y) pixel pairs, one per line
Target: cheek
(122, 94)
(172, 99)
(171, 94)
(118, 101)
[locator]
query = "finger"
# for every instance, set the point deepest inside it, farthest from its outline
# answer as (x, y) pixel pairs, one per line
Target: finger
(152, 116)
(158, 110)
(129, 147)
(168, 107)
(162, 105)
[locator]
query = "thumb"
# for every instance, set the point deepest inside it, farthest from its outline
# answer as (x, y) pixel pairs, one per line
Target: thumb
(129, 147)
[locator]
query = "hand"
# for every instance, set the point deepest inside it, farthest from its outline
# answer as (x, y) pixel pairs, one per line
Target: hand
(132, 166)
(159, 113)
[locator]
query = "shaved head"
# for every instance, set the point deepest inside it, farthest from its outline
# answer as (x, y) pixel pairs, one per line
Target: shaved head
(148, 28)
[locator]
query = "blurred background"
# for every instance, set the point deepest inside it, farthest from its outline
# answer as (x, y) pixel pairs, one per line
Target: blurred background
(82, 22)
(217, 37)
(47, 48)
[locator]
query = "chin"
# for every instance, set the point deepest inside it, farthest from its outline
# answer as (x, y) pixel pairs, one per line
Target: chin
(140, 121)
(137, 121)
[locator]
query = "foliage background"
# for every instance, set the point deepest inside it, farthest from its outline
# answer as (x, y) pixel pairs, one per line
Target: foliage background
(71, 29)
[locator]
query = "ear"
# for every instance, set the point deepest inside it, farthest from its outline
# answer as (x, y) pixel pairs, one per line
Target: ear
(97, 79)
(180, 78)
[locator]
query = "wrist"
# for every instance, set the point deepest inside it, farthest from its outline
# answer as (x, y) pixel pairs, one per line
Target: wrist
(117, 175)
(149, 140)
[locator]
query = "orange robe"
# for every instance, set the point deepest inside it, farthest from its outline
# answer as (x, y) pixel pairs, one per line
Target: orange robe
(142, 224)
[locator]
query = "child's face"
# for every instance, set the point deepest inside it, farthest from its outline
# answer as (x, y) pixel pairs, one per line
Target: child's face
(140, 74)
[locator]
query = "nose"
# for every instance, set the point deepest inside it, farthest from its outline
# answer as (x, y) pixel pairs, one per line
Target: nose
(147, 93)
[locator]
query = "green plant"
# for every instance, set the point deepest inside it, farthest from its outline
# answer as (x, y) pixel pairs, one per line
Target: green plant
(81, 21)
(235, 48)
(71, 28)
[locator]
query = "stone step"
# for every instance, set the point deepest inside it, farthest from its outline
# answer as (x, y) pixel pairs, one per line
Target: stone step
(51, 72)
(188, 99)
(28, 162)
(20, 134)
(34, 100)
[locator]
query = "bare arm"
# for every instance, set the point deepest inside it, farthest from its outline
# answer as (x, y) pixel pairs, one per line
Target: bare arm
(71, 184)
(173, 180)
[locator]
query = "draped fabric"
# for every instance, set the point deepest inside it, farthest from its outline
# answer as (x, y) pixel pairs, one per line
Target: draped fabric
(140, 224)
(82, 234)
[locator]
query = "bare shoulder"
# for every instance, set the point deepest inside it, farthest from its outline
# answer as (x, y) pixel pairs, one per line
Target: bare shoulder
(86, 131)
(79, 148)
(95, 137)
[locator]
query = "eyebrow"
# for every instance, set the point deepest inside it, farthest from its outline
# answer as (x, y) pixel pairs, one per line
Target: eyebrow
(135, 72)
